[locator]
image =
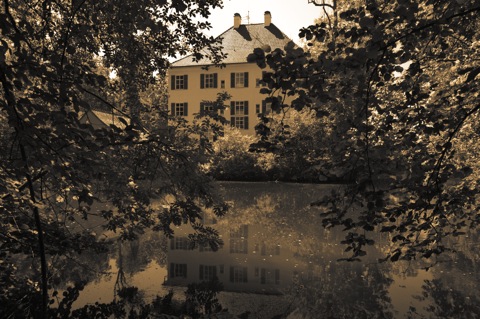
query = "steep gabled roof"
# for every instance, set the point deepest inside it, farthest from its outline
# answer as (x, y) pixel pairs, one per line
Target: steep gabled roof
(239, 43)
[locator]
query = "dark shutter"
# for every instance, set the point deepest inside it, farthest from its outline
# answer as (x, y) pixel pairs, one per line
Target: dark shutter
(202, 108)
(172, 243)
(262, 276)
(214, 271)
(172, 82)
(245, 274)
(232, 108)
(277, 276)
(245, 109)
(245, 120)
(245, 83)
(232, 278)
(172, 270)
(232, 80)
(215, 80)
(173, 109)
(201, 272)
(186, 81)
(202, 81)
(232, 121)
(185, 109)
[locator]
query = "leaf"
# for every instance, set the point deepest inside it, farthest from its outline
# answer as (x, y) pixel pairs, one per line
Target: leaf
(472, 75)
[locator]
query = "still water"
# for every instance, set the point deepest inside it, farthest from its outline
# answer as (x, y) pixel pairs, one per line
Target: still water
(278, 261)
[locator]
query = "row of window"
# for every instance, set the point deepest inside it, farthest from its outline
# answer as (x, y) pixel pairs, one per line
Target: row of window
(239, 111)
(210, 81)
(238, 274)
(238, 244)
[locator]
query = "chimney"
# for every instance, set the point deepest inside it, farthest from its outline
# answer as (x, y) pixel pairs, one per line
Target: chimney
(268, 18)
(237, 20)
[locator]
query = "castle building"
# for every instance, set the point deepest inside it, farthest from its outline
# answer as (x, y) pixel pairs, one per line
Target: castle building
(193, 82)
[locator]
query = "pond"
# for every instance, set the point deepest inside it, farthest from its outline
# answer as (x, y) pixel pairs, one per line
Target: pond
(277, 261)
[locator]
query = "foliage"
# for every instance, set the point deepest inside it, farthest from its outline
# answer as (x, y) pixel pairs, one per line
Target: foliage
(232, 159)
(201, 298)
(57, 175)
(398, 81)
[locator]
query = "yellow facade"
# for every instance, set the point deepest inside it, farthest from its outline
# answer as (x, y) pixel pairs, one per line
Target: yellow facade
(193, 94)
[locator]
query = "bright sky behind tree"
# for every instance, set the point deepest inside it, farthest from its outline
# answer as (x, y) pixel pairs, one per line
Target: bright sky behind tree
(288, 15)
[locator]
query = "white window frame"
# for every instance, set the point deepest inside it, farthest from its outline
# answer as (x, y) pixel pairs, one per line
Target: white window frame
(239, 79)
(179, 109)
(180, 83)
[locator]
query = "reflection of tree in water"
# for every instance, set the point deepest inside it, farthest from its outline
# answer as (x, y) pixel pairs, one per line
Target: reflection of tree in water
(139, 253)
(454, 291)
(446, 302)
(323, 285)
(89, 266)
(344, 291)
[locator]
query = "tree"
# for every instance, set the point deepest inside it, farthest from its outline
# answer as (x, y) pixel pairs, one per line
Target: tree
(398, 81)
(56, 173)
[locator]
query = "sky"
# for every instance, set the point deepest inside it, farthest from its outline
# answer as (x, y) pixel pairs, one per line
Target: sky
(288, 15)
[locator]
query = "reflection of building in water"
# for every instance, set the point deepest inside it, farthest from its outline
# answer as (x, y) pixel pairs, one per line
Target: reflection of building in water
(246, 262)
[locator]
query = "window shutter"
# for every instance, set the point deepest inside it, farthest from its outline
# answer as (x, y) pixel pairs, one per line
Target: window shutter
(264, 107)
(215, 80)
(245, 120)
(245, 109)
(173, 109)
(202, 81)
(202, 108)
(232, 80)
(245, 274)
(262, 276)
(214, 271)
(232, 108)
(277, 276)
(172, 270)
(201, 272)
(185, 109)
(232, 277)
(245, 83)
(172, 82)
(186, 81)
(172, 244)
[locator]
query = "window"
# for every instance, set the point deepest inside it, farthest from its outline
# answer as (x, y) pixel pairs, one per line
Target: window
(257, 109)
(266, 107)
(239, 240)
(206, 108)
(179, 82)
(208, 81)
(222, 83)
(179, 243)
(270, 250)
(238, 274)
(179, 109)
(239, 80)
(207, 273)
(269, 276)
(178, 270)
(239, 114)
